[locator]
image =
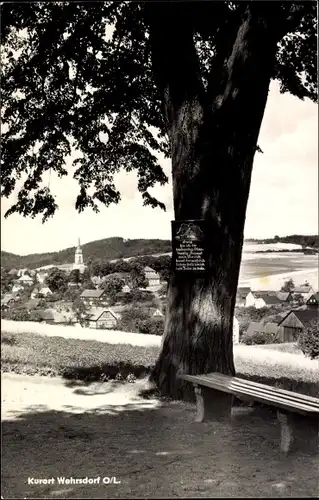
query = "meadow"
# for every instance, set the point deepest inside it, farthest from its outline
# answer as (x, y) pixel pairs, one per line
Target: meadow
(32, 354)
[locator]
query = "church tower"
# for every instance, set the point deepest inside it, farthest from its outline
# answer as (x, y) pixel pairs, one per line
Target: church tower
(78, 258)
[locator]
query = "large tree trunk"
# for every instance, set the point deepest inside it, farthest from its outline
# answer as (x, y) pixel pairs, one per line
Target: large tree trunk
(213, 134)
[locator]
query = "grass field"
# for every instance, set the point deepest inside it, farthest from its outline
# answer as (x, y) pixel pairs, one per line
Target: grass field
(31, 354)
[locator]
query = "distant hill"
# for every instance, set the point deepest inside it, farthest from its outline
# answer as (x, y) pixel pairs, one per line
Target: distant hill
(297, 239)
(106, 249)
(117, 248)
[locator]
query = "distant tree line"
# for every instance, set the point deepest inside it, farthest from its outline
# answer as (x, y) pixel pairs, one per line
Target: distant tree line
(106, 249)
(134, 266)
(296, 239)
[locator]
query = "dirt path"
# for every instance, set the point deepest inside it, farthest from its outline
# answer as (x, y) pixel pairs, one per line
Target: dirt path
(51, 430)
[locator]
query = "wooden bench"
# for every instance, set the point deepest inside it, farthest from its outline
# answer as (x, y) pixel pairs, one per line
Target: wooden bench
(298, 414)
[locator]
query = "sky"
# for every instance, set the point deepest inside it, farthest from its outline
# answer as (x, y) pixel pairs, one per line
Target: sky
(283, 195)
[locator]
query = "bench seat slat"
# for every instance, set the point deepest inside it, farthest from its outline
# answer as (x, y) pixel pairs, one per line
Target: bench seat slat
(285, 395)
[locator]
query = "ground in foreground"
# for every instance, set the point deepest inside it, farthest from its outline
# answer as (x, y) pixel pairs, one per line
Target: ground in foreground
(154, 449)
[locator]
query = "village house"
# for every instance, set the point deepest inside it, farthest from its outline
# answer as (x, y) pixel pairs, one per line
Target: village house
(13, 272)
(152, 276)
(100, 318)
(25, 279)
(313, 300)
(244, 297)
(295, 321)
(266, 299)
(304, 291)
(93, 296)
(126, 289)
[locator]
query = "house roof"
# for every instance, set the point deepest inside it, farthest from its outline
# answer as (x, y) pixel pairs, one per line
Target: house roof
(96, 313)
(92, 294)
(260, 294)
(283, 296)
(244, 289)
(302, 289)
(270, 299)
(314, 296)
(262, 328)
(149, 269)
(305, 316)
(242, 292)
(25, 277)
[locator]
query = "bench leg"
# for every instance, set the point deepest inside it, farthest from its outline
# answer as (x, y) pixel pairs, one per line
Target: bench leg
(212, 405)
(296, 428)
(286, 432)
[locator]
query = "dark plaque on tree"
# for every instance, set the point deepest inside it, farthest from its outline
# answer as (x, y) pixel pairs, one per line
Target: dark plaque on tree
(188, 246)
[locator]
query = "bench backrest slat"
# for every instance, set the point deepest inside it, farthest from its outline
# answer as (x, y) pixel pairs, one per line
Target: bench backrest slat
(265, 396)
(246, 384)
(260, 392)
(278, 390)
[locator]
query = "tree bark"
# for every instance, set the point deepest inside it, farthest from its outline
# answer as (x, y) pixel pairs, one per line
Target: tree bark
(213, 135)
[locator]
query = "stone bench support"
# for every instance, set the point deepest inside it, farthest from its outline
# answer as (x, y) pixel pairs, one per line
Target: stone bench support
(212, 405)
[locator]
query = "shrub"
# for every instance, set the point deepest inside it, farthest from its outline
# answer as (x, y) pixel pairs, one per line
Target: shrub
(152, 326)
(260, 338)
(308, 340)
(17, 315)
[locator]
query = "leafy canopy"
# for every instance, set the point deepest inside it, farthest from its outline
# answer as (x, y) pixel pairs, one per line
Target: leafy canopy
(77, 77)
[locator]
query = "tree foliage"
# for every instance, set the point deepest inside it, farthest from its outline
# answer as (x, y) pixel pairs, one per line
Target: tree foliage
(75, 276)
(56, 280)
(78, 78)
(113, 286)
(288, 286)
(308, 340)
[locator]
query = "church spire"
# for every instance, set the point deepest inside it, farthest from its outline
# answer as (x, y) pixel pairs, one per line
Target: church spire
(78, 254)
